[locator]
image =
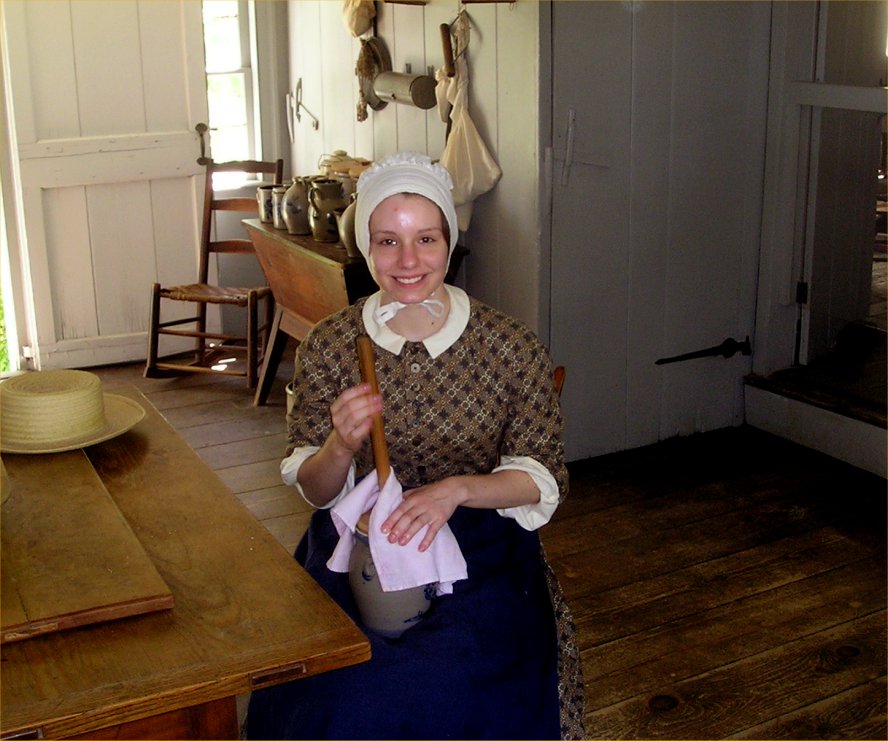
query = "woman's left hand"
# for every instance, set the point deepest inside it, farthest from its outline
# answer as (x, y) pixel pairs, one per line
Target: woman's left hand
(430, 505)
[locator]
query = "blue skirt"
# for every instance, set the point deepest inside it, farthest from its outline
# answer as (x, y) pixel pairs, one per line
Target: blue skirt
(482, 663)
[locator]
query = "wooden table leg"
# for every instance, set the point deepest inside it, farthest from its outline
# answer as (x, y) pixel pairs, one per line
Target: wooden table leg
(277, 342)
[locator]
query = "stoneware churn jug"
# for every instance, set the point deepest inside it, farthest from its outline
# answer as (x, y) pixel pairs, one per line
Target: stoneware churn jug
(324, 197)
(294, 208)
(387, 613)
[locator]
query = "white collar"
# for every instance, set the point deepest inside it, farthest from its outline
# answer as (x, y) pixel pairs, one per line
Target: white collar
(453, 327)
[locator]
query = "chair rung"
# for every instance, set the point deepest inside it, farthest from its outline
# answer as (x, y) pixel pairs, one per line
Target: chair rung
(161, 365)
(175, 322)
(235, 203)
(206, 335)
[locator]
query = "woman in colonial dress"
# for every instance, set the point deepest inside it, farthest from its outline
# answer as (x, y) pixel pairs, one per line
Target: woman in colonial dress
(473, 427)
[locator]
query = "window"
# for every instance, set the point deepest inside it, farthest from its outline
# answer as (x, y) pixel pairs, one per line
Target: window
(230, 79)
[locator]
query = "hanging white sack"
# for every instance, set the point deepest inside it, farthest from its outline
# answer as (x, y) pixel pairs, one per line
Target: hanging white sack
(470, 164)
(358, 15)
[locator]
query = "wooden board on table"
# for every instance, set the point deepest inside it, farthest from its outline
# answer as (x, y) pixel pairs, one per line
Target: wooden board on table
(69, 558)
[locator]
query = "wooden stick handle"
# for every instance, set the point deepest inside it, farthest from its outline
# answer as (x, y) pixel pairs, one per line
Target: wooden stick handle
(377, 432)
(447, 46)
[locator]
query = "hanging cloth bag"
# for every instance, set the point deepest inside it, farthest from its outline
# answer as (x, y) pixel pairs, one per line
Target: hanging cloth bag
(358, 16)
(470, 164)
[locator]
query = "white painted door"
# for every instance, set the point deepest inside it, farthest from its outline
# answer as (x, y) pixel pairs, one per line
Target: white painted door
(106, 95)
(658, 124)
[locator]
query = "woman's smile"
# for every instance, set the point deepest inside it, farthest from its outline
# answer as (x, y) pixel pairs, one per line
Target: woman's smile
(408, 248)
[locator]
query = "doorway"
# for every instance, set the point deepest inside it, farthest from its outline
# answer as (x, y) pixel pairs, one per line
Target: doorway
(819, 364)
(833, 131)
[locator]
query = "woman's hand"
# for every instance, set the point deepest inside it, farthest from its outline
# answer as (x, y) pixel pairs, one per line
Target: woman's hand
(323, 474)
(352, 415)
(434, 504)
(430, 505)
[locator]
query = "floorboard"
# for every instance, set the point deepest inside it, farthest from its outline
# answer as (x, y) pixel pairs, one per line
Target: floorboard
(726, 585)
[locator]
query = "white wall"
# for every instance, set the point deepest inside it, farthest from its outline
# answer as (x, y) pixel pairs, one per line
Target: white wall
(503, 58)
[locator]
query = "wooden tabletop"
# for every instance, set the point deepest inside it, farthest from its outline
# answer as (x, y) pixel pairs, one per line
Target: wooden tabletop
(45, 528)
(246, 615)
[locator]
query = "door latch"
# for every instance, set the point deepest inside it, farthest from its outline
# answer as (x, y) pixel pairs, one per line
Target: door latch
(726, 349)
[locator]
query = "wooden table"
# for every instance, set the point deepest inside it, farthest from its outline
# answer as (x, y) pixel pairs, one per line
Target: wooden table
(309, 280)
(245, 616)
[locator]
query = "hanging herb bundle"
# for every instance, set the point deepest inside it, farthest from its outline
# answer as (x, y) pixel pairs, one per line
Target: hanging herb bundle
(365, 69)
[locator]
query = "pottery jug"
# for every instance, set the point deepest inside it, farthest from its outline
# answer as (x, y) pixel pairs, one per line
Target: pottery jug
(294, 208)
(324, 197)
(263, 197)
(387, 613)
(277, 203)
(347, 182)
(345, 217)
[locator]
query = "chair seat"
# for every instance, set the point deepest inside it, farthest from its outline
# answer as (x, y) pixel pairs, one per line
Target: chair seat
(213, 294)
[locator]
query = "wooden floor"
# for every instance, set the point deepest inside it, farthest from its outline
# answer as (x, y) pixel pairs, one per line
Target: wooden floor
(727, 585)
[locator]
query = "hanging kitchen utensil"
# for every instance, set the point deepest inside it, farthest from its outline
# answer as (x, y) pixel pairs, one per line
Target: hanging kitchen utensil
(372, 59)
(403, 87)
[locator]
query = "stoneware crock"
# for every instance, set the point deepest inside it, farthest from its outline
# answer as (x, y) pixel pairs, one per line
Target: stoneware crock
(388, 614)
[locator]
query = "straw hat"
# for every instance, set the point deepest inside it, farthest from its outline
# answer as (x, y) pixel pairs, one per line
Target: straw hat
(55, 410)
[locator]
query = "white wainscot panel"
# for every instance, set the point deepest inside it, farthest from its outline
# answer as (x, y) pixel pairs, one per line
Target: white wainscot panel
(70, 263)
(122, 245)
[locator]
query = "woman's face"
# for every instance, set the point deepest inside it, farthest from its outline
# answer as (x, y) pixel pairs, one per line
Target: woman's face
(408, 247)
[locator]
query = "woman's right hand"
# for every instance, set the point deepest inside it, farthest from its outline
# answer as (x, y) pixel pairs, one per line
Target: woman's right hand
(352, 415)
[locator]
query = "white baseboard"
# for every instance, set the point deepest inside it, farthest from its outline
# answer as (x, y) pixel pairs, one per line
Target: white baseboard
(858, 443)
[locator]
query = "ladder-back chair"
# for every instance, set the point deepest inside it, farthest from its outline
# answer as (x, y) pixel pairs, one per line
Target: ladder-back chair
(558, 378)
(252, 342)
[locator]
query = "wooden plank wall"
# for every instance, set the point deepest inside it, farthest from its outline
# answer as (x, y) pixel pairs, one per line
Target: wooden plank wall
(503, 54)
(104, 110)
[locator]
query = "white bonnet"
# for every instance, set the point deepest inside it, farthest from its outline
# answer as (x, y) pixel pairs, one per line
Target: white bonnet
(405, 172)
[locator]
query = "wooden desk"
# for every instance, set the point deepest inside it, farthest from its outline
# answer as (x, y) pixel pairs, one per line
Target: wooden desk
(246, 615)
(309, 280)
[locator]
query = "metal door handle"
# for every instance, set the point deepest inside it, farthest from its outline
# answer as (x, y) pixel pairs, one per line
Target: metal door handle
(202, 129)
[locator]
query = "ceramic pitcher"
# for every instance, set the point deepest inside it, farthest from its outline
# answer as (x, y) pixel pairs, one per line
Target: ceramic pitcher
(324, 197)
(294, 207)
(346, 220)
